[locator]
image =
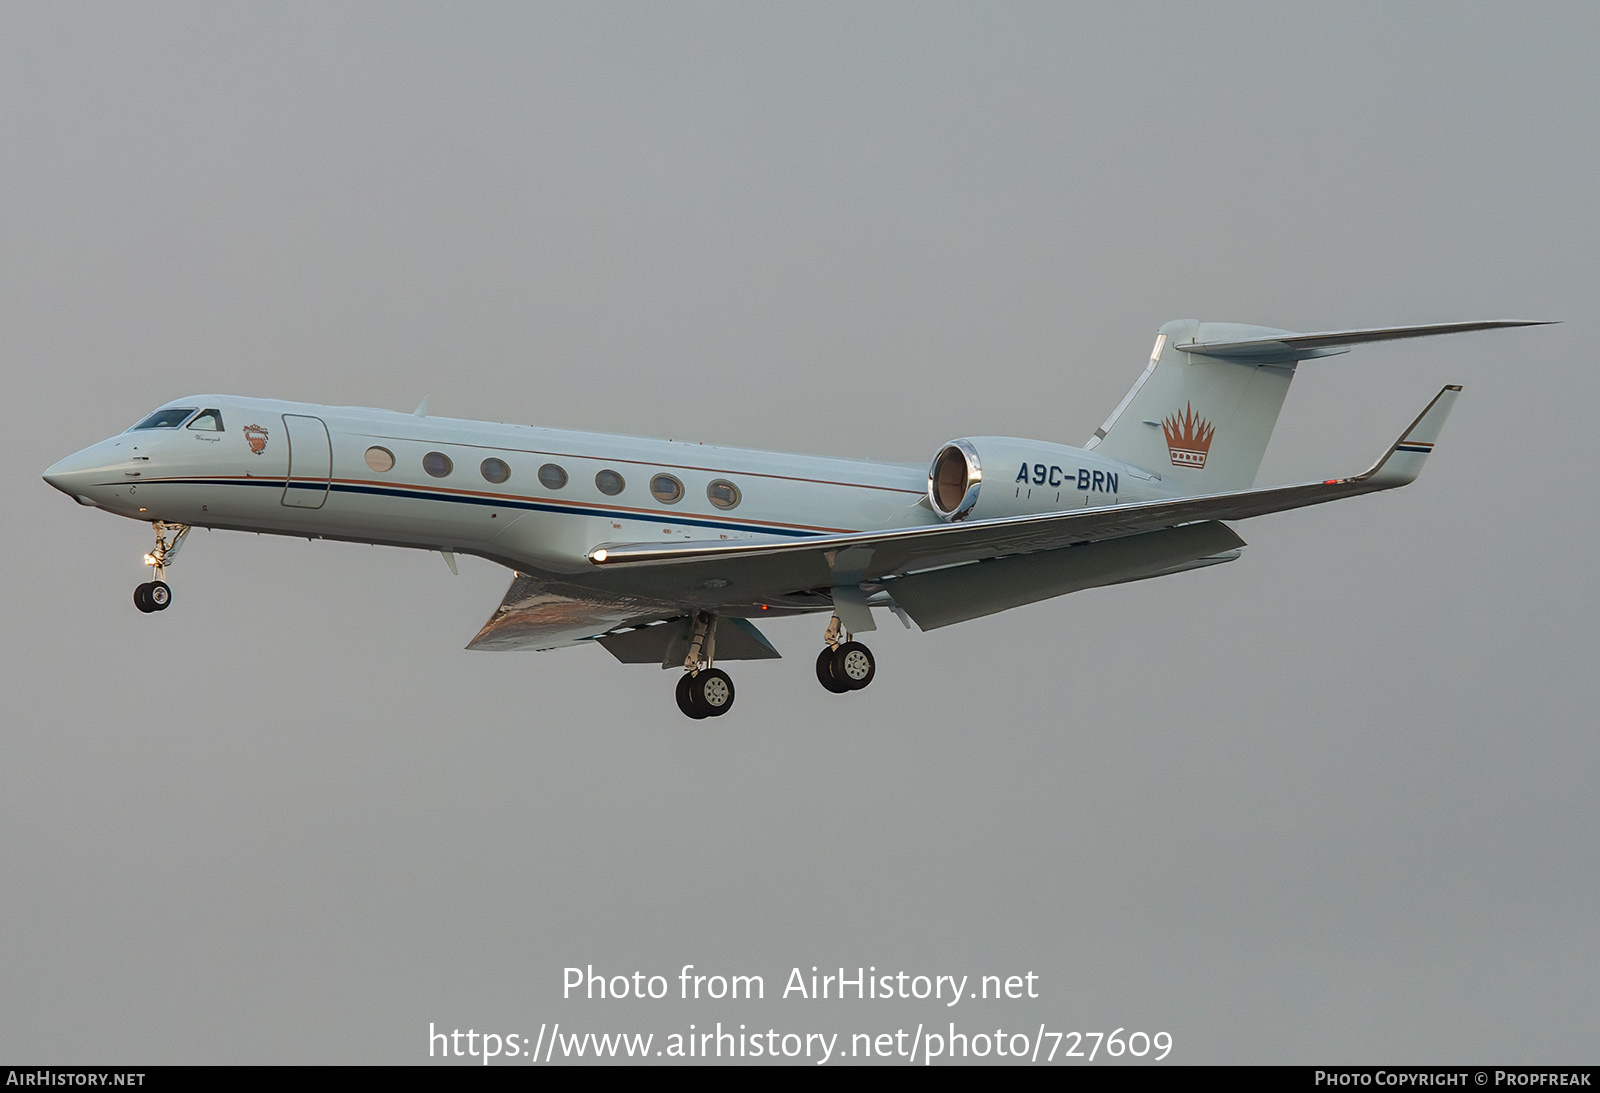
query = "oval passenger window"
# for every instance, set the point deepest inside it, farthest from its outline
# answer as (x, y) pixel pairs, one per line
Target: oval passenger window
(723, 494)
(666, 489)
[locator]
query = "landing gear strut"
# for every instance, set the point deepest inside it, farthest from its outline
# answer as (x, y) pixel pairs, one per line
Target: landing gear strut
(844, 665)
(704, 691)
(156, 595)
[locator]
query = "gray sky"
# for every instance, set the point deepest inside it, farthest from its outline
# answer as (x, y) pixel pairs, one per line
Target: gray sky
(1334, 802)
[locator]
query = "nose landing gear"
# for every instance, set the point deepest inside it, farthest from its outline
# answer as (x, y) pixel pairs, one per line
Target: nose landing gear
(844, 665)
(156, 595)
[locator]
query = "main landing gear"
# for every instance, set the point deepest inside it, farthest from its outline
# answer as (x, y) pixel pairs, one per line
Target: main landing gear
(156, 595)
(704, 691)
(844, 665)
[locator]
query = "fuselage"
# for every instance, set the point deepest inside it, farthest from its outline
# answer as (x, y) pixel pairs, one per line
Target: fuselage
(534, 499)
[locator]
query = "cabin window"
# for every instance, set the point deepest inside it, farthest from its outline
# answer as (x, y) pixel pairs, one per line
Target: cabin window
(666, 489)
(437, 464)
(209, 421)
(166, 419)
(552, 477)
(723, 494)
(495, 470)
(609, 482)
(380, 459)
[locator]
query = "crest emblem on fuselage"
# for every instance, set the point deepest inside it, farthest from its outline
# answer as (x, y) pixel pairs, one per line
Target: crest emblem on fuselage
(256, 437)
(1188, 438)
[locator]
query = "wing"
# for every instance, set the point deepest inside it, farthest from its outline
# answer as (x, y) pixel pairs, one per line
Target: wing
(752, 568)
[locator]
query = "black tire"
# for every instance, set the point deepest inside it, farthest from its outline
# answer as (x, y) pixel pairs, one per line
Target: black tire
(853, 665)
(712, 691)
(141, 598)
(825, 671)
(158, 595)
(685, 696)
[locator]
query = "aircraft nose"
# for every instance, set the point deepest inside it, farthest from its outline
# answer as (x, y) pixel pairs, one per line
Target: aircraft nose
(77, 474)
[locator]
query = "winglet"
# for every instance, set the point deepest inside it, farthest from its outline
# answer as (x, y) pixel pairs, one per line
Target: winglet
(1403, 462)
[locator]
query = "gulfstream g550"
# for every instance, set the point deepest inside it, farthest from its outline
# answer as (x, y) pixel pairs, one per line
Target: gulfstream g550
(664, 552)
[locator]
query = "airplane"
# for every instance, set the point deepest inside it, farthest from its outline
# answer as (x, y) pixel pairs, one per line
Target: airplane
(664, 552)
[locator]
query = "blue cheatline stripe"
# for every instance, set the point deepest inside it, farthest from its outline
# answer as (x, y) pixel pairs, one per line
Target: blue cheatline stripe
(1423, 449)
(491, 502)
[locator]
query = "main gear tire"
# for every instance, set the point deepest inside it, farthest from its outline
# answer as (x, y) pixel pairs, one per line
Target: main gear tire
(853, 665)
(825, 674)
(712, 691)
(685, 696)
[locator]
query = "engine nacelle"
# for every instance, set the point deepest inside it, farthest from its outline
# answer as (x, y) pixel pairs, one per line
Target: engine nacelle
(982, 477)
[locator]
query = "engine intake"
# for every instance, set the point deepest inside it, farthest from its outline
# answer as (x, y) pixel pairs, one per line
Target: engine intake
(953, 480)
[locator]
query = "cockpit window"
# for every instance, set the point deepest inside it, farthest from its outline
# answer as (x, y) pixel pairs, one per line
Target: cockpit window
(166, 419)
(207, 420)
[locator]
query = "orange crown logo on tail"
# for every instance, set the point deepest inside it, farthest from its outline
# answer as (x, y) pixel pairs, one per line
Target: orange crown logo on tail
(1188, 438)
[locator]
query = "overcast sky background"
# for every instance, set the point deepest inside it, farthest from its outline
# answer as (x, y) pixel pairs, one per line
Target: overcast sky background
(1332, 803)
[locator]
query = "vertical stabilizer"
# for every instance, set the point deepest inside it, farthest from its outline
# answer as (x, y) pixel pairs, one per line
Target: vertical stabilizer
(1202, 422)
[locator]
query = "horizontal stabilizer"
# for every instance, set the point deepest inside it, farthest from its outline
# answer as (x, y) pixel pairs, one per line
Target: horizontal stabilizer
(1285, 348)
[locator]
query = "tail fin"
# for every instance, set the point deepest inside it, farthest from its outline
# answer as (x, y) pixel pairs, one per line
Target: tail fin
(1203, 422)
(1204, 409)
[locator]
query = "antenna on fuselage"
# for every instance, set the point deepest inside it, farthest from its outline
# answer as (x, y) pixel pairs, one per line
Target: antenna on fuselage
(422, 408)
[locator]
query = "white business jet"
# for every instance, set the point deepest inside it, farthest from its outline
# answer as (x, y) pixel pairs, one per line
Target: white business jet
(664, 552)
